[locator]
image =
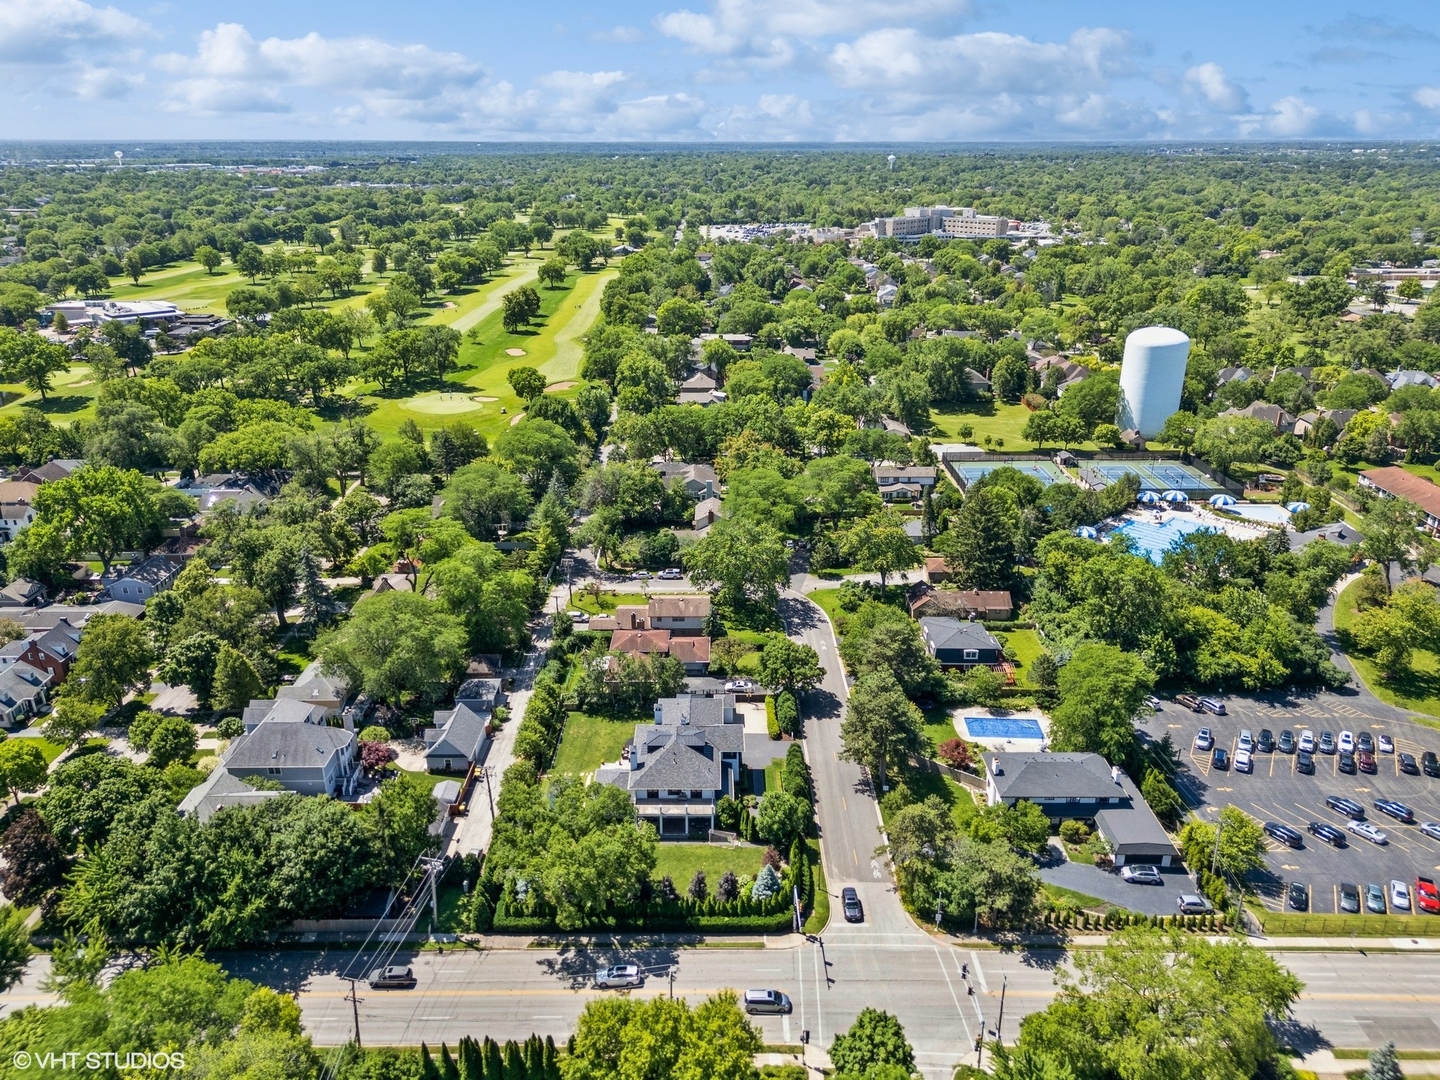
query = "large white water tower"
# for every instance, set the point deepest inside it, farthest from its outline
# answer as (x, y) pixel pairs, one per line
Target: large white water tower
(1152, 375)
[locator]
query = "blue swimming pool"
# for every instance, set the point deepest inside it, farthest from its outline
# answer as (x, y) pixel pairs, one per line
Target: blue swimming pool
(1003, 727)
(1152, 540)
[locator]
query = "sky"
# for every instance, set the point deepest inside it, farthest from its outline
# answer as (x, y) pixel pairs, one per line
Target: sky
(720, 70)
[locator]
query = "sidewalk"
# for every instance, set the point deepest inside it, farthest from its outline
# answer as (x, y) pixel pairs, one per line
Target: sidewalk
(1327, 1066)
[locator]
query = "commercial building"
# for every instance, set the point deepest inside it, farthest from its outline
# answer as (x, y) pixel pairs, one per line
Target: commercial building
(918, 221)
(1152, 375)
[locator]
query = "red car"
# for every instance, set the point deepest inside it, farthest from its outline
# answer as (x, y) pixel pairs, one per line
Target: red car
(1366, 760)
(1427, 897)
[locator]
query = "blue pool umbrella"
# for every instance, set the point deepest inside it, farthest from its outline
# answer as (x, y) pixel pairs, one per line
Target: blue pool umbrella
(1296, 507)
(1174, 495)
(1085, 532)
(1148, 497)
(1222, 500)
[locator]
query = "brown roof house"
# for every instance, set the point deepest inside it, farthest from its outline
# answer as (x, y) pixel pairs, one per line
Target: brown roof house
(679, 614)
(693, 652)
(1393, 482)
(995, 606)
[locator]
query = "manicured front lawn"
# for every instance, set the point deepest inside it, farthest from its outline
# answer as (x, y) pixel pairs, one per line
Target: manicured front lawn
(607, 602)
(1418, 690)
(591, 741)
(679, 861)
(428, 780)
(1000, 422)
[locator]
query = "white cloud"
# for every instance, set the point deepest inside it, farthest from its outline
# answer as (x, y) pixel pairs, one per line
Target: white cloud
(106, 83)
(1210, 82)
(1427, 97)
(773, 118)
(619, 35)
(1292, 116)
(908, 60)
(766, 30)
(53, 31)
(236, 73)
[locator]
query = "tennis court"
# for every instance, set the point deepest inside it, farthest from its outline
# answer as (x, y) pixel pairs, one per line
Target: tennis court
(1157, 475)
(1044, 471)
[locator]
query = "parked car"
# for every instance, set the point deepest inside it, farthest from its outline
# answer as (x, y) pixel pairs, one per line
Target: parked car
(1431, 829)
(1190, 701)
(641, 575)
(1307, 741)
(1141, 874)
(1365, 741)
(1348, 807)
(1219, 759)
(1369, 832)
(1244, 762)
(1346, 763)
(1266, 742)
(1346, 742)
(739, 686)
(850, 900)
(1287, 742)
(1427, 896)
(1399, 896)
(671, 573)
(766, 1001)
(619, 977)
(1191, 904)
(1327, 743)
(1246, 741)
(1429, 763)
(1323, 830)
(1387, 744)
(579, 617)
(1398, 810)
(1285, 834)
(1213, 705)
(1153, 702)
(1297, 896)
(392, 978)
(1365, 761)
(1408, 766)
(1204, 739)
(1375, 899)
(1304, 762)
(1349, 898)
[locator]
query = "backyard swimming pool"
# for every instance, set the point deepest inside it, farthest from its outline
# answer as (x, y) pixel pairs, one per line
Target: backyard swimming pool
(1152, 540)
(1003, 727)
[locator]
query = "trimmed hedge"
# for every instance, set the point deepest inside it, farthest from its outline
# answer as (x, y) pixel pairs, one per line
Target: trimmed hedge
(772, 722)
(787, 713)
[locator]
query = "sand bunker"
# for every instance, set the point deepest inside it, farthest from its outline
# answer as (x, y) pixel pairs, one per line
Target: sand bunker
(514, 352)
(555, 388)
(439, 403)
(516, 419)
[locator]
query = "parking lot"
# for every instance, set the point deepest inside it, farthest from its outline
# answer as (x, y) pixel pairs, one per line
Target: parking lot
(1276, 792)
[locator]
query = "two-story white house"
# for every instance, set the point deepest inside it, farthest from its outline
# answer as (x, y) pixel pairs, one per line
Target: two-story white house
(678, 614)
(903, 483)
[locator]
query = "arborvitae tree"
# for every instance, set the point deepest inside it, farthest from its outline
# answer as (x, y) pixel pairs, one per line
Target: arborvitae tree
(449, 1068)
(494, 1063)
(428, 1070)
(472, 1060)
(550, 1061)
(514, 1063)
(532, 1057)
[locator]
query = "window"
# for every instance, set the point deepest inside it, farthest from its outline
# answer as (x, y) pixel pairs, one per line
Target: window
(652, 794)
(273, 770)
(972, 654)
(697, 794)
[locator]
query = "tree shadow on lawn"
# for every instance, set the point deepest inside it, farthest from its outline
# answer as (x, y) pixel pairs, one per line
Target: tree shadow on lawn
(981, 409)
(62, 403)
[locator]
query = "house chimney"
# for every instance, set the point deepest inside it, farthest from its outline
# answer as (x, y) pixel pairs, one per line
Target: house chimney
(1115, 774)
(995, 769)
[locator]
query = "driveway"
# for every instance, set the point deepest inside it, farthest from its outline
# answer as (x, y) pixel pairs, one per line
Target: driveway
(1110, 887)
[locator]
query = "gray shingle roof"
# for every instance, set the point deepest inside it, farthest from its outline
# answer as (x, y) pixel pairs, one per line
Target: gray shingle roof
(680, 764)
(219, 790)
(1052, 776)
(459, 732)
(943, 632)
(277, 745)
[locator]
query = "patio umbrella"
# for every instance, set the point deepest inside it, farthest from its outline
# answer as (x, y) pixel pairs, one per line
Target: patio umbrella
(1085, 532)
(1174, 495)
(1222, 500)
(1148, 497)
(1296, 507)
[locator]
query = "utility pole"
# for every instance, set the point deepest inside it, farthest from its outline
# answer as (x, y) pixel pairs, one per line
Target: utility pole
(485, 771)
(1000, 1020)
(355, 1007)
(671, 975)
(432, 871)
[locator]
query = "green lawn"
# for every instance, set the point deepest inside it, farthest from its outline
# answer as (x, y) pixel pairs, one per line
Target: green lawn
(1026, 644)
(829, 601)
(427, 780)
(591, 741)
(679, 861)
(1003, 423)
(606, 603)
(939, 725)
(1418, 690)
(773, 772)
(820, 912)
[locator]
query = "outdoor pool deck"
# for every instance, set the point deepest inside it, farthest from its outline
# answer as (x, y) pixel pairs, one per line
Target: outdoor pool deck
(1004, 731)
